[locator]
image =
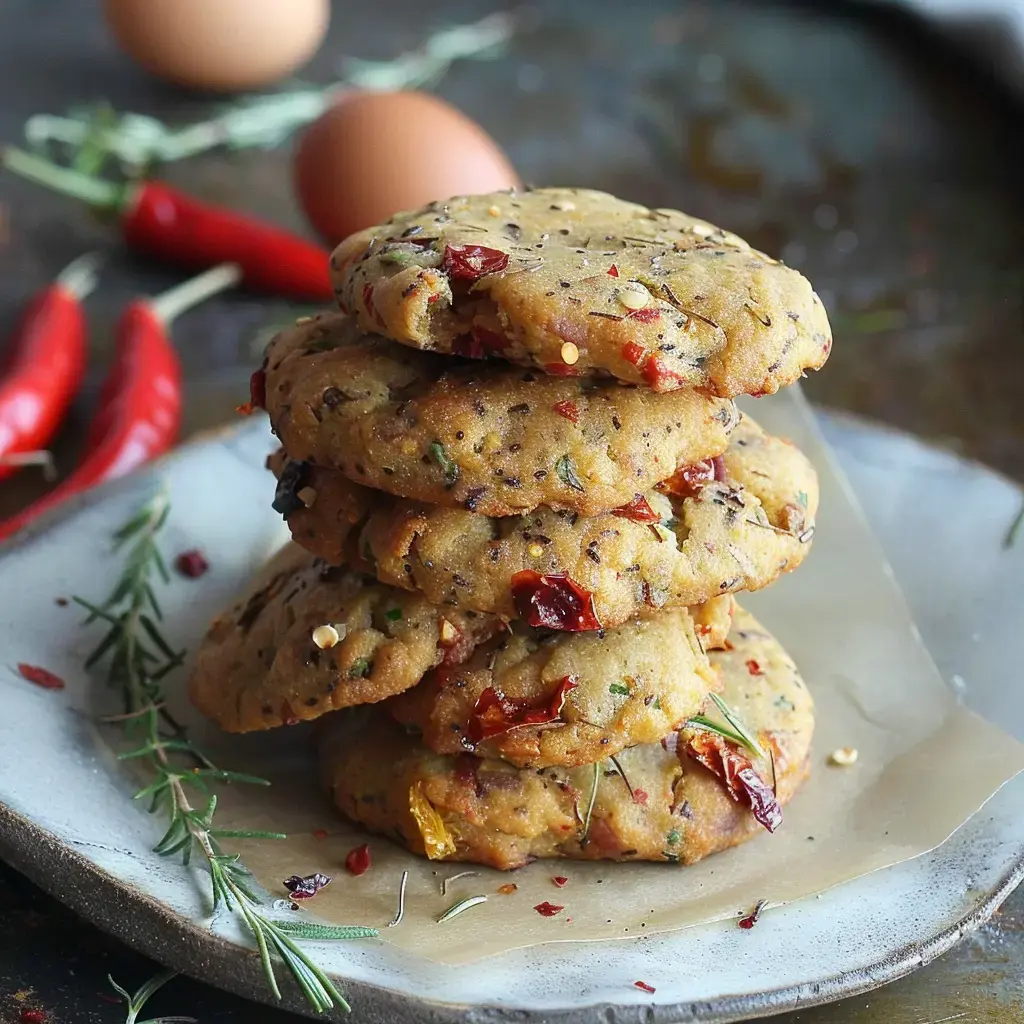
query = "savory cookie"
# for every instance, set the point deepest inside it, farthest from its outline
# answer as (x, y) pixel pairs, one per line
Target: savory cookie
(490, 438)
(574, 281)
(733, 523)
(679, 800)
(537, 698)
(307, 639)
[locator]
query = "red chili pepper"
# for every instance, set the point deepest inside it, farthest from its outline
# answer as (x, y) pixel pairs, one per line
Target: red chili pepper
(471, 262)
(638, 510)
(553, 601)
(687, 481)
(570, 410)
(40, 676)
(140, 402)
(494, 714)
(546, 909)
(160, 221)
(45, 364)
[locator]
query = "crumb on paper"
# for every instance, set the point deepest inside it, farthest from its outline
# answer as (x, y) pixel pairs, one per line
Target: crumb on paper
(843, 757)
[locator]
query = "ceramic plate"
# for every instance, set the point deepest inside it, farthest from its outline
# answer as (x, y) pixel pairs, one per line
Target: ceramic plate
(67, 822)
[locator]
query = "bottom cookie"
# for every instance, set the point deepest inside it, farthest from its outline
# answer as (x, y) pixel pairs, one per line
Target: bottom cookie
(691, 795)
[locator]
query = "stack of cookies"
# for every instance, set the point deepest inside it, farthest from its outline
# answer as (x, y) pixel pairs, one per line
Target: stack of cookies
(523, 499)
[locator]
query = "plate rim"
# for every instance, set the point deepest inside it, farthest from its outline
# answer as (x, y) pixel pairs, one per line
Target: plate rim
(195, 950)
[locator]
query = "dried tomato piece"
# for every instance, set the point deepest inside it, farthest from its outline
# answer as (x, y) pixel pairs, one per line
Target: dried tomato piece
(742, 781)
(633, 353)
(258, 389)
(659, 376)
(647, 315)
(687, 481)
(471, 262)
(638, 510)
(570, 410)
(358, 860)
(306, 888)
(546, 909)
(40, 676)
(494, 714)
(553, 602)
(191, 563)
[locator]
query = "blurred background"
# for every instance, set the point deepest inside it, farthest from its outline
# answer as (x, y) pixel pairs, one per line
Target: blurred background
(874, 146)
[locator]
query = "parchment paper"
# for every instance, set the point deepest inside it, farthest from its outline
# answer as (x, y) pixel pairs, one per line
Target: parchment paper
(926, 764)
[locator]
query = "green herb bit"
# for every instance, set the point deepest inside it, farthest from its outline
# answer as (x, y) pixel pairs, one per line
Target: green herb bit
(588, 817)
(461, 907)
(657, 703)
(138, 657)
(801, 496)
(673, 837)
(448, 467)
(393, 615)
(619, 689)
(748, 738)
(566, 471)
(359, 669)
(145, 991)
(782, 701)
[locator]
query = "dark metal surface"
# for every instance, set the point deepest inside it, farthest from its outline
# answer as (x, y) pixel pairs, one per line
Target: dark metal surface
(861, 150)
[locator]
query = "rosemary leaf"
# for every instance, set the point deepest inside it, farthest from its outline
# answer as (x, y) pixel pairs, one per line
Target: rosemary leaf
(461, 907)
(748, 739)
(312, 930)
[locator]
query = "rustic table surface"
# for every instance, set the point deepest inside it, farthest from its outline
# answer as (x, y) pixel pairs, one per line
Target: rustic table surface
(864, 151)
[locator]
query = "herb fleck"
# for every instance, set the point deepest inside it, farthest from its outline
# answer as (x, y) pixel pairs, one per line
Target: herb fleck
(448, 467)
(566, 471)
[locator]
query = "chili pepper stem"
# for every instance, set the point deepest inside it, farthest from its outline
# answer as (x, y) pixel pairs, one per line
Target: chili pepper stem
(81, 276)
(171, 303)
(99, 194)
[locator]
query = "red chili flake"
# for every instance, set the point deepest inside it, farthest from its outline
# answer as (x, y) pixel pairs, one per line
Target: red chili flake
(546, 909)
(553, 602)
(562, 370)
(191, 563)
(647, 315)
(633, 353)
(479, 343)
(560, 880)
(358, 860)
(288, 715)
(613, 271)
(466, 768)
(41, 677)
(258, 389)
(494, 714)
(754, 668)
(320, 833)
(371, 310)
(753, 917)
(659, 376)
(638, 510)
(718, 463)
(245, 409)
(704, 629)
(433, 298)
(306, 888)
(742, 782)
(569, 410)
(640, 797)
(61, 602)
(471, 262)
(644, 987)
(687, 481)
(32, 1017)
(507, 889)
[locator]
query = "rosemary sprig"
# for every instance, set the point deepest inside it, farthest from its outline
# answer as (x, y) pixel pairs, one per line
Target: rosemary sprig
(137, 1001)
(736, 731)
(138, 658)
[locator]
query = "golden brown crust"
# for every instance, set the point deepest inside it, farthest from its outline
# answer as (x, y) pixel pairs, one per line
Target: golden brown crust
(495, 814)
(652, 297)
(491, 438)
(615, 689)
(738, 533)
(259, 666)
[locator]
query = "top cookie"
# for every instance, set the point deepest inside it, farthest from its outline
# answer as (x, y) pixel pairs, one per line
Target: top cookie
(575, 281)
(494, 439)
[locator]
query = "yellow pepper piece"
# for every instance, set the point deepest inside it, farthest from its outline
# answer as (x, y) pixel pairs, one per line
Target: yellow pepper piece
(437, 840)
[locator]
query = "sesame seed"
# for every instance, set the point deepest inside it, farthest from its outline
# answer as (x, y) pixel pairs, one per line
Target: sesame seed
(307, 495)
(570, 354)
(634, 298)
(325, 636)
(843, 757)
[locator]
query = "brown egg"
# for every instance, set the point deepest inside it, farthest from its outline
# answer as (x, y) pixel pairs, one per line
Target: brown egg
(220, 45)
(373, 154)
